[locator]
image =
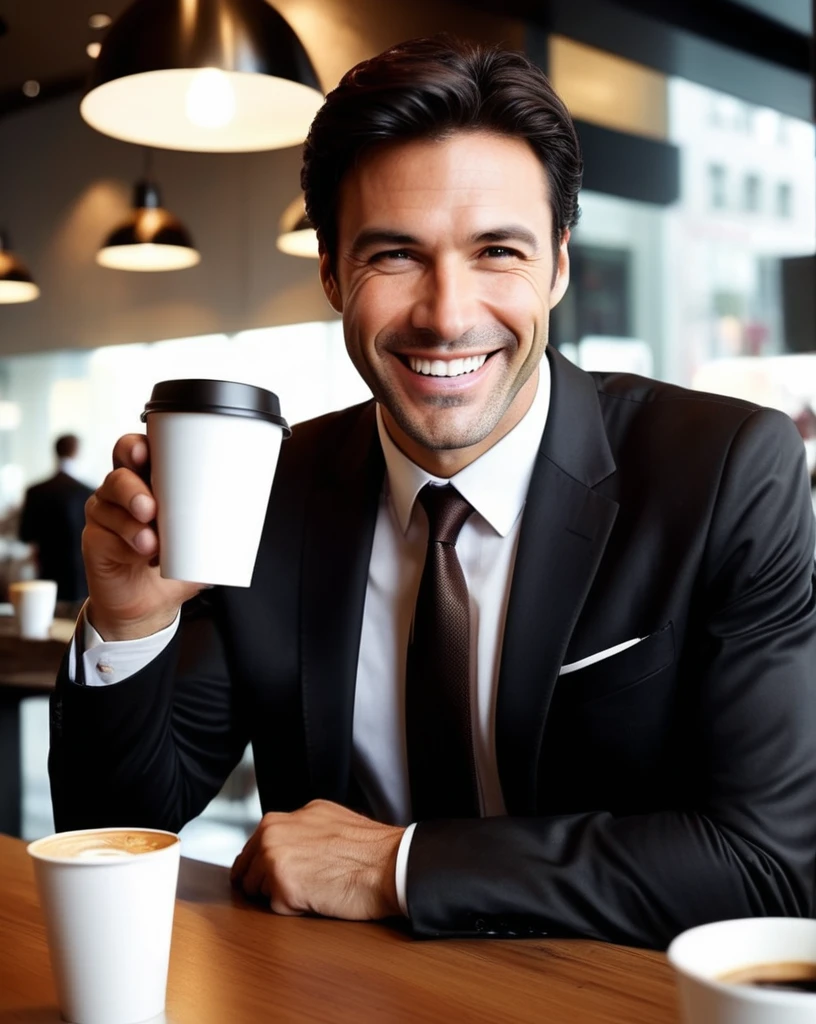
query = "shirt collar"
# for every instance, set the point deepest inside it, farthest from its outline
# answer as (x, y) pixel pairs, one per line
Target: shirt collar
(495, 484)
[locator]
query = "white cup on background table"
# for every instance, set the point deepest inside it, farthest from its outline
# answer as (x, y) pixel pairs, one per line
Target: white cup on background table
(34, 602)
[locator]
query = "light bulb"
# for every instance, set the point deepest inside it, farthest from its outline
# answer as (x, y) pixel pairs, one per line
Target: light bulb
(210, 101)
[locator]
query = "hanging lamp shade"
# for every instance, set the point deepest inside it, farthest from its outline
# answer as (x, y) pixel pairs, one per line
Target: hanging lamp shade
(296, 236)
(150, 239)
(16, 283)
(204, 75)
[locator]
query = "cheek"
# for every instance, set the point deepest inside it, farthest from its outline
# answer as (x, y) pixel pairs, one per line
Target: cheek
(379, 304)
(520, 301)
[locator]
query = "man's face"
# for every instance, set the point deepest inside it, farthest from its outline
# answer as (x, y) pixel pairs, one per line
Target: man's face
(445, 278)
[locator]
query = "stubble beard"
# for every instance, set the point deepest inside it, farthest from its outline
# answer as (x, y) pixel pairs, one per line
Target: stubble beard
(454, 437)
(447, 437)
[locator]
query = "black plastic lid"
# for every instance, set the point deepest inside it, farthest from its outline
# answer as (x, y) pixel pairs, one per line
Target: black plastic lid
(219, 396)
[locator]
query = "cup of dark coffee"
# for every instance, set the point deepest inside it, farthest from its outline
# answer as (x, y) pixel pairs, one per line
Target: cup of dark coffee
(108, 896)
(758, 970)
(214, 448)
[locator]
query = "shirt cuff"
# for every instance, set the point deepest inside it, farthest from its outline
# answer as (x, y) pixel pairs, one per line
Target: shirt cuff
(112, 661)
(402, 867)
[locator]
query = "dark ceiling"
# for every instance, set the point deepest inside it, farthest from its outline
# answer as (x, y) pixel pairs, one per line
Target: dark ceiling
(45, 40)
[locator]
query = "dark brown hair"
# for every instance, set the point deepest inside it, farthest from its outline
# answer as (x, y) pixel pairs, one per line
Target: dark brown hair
(431, 88)
(67, 446)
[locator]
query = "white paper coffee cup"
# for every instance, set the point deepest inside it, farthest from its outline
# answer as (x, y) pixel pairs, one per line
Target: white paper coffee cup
(109, 920)
(214, 448)
(702, 956)
(34, 602)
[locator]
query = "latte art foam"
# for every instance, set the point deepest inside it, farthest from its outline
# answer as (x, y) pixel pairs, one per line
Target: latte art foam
(104, 845)
(104, 854)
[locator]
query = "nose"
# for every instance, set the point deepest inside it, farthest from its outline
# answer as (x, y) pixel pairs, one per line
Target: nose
(447, 303)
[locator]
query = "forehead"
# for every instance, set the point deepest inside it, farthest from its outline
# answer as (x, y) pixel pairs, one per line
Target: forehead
(473, 175)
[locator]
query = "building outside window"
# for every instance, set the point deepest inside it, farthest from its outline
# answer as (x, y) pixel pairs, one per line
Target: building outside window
(784, 199)
(717, 183)
(752, 193)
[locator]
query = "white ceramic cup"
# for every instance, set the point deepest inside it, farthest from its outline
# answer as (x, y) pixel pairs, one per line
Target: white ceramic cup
(703, 955)
(109, 919)
(34, 602)
(211, 471)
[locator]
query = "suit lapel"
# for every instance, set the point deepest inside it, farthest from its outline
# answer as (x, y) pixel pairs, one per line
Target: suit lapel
(564, 529)
(341, 515)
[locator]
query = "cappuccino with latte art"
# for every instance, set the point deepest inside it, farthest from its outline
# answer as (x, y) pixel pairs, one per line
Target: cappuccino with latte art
(108, 897)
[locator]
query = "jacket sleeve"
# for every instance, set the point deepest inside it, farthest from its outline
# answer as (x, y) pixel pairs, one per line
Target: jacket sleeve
(746, 844)
(28, 530)
(154, 749)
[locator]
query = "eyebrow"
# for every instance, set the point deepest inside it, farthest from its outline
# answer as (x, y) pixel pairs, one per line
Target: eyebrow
(509, 233)
(380, 236)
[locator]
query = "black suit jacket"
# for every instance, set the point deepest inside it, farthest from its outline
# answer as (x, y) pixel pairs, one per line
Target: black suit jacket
(671, 784)
(53, 518)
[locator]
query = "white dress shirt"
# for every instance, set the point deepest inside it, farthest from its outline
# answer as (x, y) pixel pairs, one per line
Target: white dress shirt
(496, 486)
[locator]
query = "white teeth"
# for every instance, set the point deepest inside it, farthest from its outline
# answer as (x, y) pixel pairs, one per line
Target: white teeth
(446, 368)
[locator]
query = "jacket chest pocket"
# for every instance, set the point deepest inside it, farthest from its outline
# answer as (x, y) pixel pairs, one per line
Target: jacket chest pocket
(608, 736)
(630, 667)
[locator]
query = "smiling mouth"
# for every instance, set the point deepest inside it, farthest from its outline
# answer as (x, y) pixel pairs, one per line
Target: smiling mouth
(445, 367)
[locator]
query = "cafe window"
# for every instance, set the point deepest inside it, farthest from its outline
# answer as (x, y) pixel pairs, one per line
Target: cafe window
(752, 193)
(784, 199)
(717, 186)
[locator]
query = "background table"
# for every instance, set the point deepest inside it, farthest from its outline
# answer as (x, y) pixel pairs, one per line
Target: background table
(233, 961)
(28, 668)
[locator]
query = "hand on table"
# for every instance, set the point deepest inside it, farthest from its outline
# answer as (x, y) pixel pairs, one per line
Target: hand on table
(322, 859)
(128, 597)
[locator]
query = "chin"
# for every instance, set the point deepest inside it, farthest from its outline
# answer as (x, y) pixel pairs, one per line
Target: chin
(449, 439)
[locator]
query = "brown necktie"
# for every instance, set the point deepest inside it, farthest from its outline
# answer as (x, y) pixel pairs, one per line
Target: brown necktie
(441, 765)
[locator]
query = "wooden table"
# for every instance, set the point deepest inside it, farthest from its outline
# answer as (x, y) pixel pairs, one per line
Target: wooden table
(28, 668)
(233, 962)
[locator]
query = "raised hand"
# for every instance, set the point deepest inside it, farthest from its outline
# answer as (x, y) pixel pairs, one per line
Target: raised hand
(128, 597)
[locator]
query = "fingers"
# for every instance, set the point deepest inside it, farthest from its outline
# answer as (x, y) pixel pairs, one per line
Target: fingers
(261, 879)
(245, 857)
(131, 452)
(254, 870)
(124, 488)
(118, 521)
(123, 505)
(255, 876)
(253, 844)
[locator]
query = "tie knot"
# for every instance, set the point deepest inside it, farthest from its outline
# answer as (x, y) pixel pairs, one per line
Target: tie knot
(447, 511)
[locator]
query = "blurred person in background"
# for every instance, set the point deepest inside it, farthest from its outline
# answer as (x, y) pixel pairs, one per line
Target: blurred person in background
(52, 520)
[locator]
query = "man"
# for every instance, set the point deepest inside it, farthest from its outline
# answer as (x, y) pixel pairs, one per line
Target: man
(638, 706)
(53, 517)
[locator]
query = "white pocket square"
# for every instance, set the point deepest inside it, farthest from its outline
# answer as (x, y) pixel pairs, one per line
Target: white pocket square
(600, 656)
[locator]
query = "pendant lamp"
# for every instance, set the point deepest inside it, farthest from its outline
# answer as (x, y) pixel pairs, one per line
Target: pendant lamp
(296, 235)
(16, 283)
(204, 75)
(151, 238)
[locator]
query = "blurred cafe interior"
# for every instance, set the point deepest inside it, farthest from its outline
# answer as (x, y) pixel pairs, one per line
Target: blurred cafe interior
(693, 261)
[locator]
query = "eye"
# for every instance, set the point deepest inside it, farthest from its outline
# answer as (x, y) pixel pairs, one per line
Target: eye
(501, 252)
(395, 255)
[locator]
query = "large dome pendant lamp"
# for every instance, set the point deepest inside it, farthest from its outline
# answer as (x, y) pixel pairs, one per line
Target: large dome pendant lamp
(204, 75)
(16, 283)
(151, 239)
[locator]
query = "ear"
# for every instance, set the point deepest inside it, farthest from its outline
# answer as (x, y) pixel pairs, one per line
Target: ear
(329, 282)
(562, 271)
